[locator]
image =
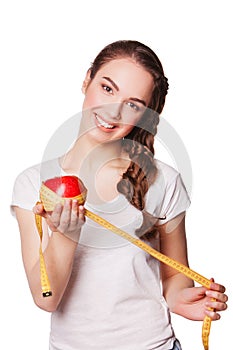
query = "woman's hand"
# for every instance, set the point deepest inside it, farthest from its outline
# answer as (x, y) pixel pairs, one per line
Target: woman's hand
(66, 219)
(195, 303)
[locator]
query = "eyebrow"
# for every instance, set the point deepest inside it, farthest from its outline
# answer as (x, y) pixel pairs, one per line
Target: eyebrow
(112, 82)
(138, 100)
(117, 88)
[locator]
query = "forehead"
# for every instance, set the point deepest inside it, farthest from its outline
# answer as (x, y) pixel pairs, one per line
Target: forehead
(129, 76)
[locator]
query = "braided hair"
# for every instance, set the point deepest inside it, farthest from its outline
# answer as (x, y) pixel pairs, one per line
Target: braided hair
(139, 143)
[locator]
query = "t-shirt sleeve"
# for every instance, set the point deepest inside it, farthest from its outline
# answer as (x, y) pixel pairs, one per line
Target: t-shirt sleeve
(167, 197)
(26, 190)
(176, 200)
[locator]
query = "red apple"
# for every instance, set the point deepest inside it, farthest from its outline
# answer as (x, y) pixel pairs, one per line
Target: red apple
(53, 190)
(65, 186)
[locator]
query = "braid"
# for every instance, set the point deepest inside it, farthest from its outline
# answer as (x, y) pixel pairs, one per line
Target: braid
(141, 172)
(135, 181)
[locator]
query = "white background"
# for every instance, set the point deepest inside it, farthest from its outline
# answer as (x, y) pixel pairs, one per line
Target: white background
(46, 48)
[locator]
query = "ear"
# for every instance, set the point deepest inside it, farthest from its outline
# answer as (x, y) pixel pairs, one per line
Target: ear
(86, 81)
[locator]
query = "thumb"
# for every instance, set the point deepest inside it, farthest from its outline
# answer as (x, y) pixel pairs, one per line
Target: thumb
(38, 209)
(196, 293)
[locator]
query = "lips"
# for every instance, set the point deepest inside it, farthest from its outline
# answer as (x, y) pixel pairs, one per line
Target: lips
(103, 123)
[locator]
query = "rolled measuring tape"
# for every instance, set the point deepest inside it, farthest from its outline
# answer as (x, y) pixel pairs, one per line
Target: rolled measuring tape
(58, 189)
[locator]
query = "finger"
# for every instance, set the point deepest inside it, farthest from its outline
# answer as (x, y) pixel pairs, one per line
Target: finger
(77, 215)
(216, 305)
(56, 215)
(65, 216)
(216, 286)
(74, 212)
(213, 315)
(216, 295)
(81, 213)
(76, 218)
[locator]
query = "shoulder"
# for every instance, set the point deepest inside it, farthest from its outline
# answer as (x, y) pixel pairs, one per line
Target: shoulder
(166, 174)
(167, 196)
(39, 172)
(29, 175)
(27, 183)
(166, 177)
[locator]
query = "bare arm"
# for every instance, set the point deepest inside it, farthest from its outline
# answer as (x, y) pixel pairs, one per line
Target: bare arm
(59, 250)
(179, 291)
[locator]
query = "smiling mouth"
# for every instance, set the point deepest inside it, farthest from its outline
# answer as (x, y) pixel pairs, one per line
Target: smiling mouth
(103, 123)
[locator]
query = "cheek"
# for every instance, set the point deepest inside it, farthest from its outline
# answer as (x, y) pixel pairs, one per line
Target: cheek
(91, 98)
(127, 129)
(130, 120)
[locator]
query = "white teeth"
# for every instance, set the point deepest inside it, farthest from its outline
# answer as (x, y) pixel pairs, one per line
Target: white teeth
(103, 123)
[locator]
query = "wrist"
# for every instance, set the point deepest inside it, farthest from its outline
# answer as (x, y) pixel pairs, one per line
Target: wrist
(73, 236)
(69, 237)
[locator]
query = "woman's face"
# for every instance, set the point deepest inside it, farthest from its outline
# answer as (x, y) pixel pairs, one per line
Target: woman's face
(115, 99)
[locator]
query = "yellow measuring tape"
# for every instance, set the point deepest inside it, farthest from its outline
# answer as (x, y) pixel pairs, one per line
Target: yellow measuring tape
(44, 280)
(46, 289)
(164, 259)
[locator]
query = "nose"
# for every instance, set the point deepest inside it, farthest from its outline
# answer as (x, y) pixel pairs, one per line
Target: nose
(113, 110)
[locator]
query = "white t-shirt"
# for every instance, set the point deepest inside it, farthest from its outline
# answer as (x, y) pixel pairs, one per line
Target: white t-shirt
(113, 300)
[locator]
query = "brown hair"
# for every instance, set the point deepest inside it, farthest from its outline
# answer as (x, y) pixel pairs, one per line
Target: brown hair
(140, 142)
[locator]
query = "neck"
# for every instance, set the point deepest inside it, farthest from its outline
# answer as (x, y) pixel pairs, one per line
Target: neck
(88, 155)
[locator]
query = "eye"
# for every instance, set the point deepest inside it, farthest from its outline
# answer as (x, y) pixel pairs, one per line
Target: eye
(133, 106)
(107, 88)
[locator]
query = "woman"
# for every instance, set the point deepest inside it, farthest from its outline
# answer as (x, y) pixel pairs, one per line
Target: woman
(107, 293)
